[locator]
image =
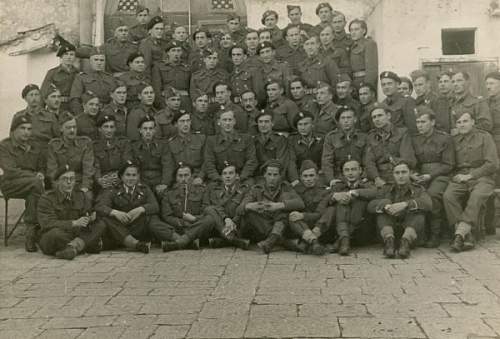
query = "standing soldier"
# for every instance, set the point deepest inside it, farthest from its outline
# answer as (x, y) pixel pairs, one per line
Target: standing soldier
(235, 28)
(63, 75)
(474, 180)
(117, 50)
(205, 78)
(251, 43)
(401, 208)
(445, 97)
(387, 144)
(367, 98)
(343, 90)
(343, 144)
(222, 96)
(96, 80)
(249, 104)
(86, 121)
(153, 46)
(117, 108)
(202, 120)
(305, 102)
(405, 87)
(201, 41)
(272, 69)
(295, 16)
(341, 39)
(465, 102)
(67, 221)
(334, 52)
(291, 51)
(172, 102)
(401, 108)
(31, 95)
(144, 108)
(325, 121)
(435, 156)
(23, 168)
(244, 76)
(266, 206)
(270, 21)
(284, 109)
(74, 151)
(229, 145)
(139, 31)
(52, 102)
(493, 87)
(135, 78)
(325, 13)
(363, 55)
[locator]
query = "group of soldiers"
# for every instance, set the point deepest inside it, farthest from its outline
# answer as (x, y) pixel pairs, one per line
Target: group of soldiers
(272, 136)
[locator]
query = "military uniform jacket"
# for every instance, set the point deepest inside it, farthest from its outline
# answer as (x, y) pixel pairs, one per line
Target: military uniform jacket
(117, 198)
(225, 61)
(100, 83)
(384, 148)
(154, 160)
(87, 125)
(167, 74)
(415, 195)
(117, 53)
(476, 154)
(195, 59)
(494, 106)
(188, 150)
(315, 200)
(164, 127)
(316, 69)
(55, 210)
(293, 56)
(238, 148)
(477, 106)
(62, 78)
(120, 113)
(307, 104)
(365, 189)
(303, 148)
(342, 40)
(134, 81)
(435, 153)
(20, 161)
(44, 124)
(273, 146)
(326, 120)
(340, 147)
(183, 199)
(110, 155)
(205, 79)
(77, 153)
(402, 109)
(138, 32)
(441, 108)
(240, 115)
(284, 112)
(224, 201)
(364, 58)
(245, 77)
(338, 55)
(152, 50)
(275, 70)
(365, 121)
(135, 116)
(203, 122)
(352, 103)
(277, 37)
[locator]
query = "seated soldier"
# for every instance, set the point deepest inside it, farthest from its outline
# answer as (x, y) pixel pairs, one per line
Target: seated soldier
(182, 208)
(473, 183)
(23, 177)
(266, 206)
(67, 220)
(110, 152)
(401, 209)
(351, 194)
(128, 211)
(315, 220)
(224, 198)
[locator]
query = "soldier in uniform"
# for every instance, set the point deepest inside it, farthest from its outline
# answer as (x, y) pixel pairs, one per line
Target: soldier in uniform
(129, 211)
(314, 221)
(325, 13)
(229, 145)
(405, 87)
(233, 23)
(474, 180)
(135, 78)
(305, 144)
(86, 122)
(164, 125)
(67, 220)
(291, 51)
(172, 72)
(222, 96)
(493, 88)
(305, 102)
(266, 206)
(62, 76)
(96, 80)
(264, 35)
(186, 147)
(435, 156)
(152, 156)
(23, 168)
(205, 78)
(139, 31)
(183, 209)
(464, 102)
(117, 108)
(117, 50)
(31, 95)
(401, 209)
(251, 43)
(295, 16)
(144, 108)
(284, 109)
(153, 46)
(367, 98)
(445, 96)
(401, 108)
(244, 76)
(270, 67)
(325, 121)
(249, 104)
(341, 39)
(52, 101)
(343, 91)
(343, 144)
(75, 151)
(270, 21)
(180, 36)
(315, 68)
(202, 120)
(363, 55)
(198, 53)
(110, 152)
(387, 144)
(337, 53)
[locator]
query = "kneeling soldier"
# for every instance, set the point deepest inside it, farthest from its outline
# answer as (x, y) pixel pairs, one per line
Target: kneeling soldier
(401, 206)
(266, 207)
(67, 221)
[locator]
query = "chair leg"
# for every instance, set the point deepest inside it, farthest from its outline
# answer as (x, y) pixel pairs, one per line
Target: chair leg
(6, 224)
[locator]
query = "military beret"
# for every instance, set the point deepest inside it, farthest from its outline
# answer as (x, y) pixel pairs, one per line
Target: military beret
(62, 170)
(170, 92)
(306, 165)
(232, 16)
(290, 8)
(98, 50)
(271, 163)
(88, 95)
(147, 118)
(268, 13)
(65, 116)
(493, 75)
(64, 48)
(424, 110)
(265, 44)
(140, 9)
(342, 77)
(19, 120)
(133, 56)
(390, 75)
(127, 164)
(300, 116)
(378, 105)
(173, 44)
(51, 89)
(154, 20)
(179, 114)
(197, 93)
(323, 5)
(342, 109)
(263, 112)
(104, 119)
(28, 88)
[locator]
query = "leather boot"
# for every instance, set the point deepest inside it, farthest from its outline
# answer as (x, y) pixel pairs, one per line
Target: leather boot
(389, 247)
(241, 243)
(345, 246)
(469, 242)
(143, 247)
(404, 248)
(317, 248)
(268, 244)
(458, 243)
(69, 253)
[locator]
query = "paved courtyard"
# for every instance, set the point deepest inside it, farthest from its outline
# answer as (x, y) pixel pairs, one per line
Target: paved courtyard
(228, 293)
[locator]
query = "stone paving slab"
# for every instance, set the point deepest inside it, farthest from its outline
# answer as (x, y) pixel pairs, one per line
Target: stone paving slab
(228, 293)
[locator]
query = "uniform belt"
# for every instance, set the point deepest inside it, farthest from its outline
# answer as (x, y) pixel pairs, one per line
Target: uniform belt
(359, 74)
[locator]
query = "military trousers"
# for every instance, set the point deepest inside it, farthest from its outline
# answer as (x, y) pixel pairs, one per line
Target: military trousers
(436, 189)
(408, 225)
(200, 229)
(56, 239)
(116, 232)
(258, 226)
(324, 223)
(352, 221)
(27, 187)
